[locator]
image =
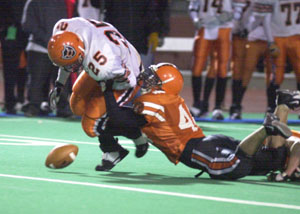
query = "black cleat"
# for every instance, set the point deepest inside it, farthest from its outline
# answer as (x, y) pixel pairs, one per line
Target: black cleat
(195, 109)
(274, 127)
(110, 159)
(289, 98)
(141, 150)
(235, 112)
(217, 114)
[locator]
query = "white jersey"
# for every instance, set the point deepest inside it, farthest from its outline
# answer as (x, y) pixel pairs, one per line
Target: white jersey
(207, 9)
(108, 54)
(285, 16)
(257, 33)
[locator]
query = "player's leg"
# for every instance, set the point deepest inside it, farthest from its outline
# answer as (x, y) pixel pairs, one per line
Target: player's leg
(278, 68)
(238, 60)
(271, 126)
(254, 51)
(209, 82)
(82, 92)
(224, 51)
(202, 48)
(286, 100)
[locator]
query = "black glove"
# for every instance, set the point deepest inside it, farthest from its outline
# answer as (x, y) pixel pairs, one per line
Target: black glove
(109, 85)
(54, 95)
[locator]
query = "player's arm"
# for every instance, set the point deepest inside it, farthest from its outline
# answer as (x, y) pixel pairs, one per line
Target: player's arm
(194, 7)
(60, 82)
(121, 116)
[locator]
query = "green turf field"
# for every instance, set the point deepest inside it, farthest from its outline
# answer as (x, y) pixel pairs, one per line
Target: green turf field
(151, 184)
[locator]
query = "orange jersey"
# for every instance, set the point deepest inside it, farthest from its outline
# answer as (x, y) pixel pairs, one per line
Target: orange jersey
(170, 125)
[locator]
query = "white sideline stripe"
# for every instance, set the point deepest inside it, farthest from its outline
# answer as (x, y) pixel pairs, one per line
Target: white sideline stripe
(158, 192)
(177, 44)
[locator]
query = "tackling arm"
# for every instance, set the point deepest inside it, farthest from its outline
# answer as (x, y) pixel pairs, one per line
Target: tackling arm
(121, 116)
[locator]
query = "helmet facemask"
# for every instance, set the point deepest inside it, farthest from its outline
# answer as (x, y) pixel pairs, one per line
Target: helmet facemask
(76, 66)
(148, 79)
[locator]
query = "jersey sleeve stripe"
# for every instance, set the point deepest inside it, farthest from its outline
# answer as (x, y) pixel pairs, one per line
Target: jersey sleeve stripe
(154, 114)
(154, 106)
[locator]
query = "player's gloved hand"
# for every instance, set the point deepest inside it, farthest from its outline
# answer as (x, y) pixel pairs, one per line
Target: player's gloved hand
(273, 49)
(54, 95)
(153, 41)
(198, 23)
(277, 177)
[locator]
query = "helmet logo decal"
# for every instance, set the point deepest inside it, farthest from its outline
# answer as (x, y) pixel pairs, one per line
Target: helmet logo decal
(68, 52)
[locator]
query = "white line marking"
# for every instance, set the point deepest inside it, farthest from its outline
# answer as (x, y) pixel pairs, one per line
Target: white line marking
(158, 192)
(49, 142)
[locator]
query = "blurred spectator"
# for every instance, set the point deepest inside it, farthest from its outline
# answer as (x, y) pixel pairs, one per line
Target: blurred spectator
(13, 42)
(39, 17)
(137, 21)
(162, 9)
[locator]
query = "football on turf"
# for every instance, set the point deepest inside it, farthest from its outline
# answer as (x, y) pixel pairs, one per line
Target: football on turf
(61, 156)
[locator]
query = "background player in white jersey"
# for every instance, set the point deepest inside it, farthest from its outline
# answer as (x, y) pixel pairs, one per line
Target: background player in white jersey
(213, 21)
(246, 54)
(103, 54)
(281, 22)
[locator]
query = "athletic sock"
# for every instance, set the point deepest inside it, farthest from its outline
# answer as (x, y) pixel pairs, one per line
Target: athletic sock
(220, 91)
(208, 86)
(196, 85)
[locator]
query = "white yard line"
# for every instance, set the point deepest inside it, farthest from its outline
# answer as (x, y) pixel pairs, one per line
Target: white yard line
(14, 140)
(158, 192)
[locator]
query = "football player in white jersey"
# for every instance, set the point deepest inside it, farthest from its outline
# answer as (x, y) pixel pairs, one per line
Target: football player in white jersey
(246, 54)
(103, 54)
(281, 22)
(213, 21)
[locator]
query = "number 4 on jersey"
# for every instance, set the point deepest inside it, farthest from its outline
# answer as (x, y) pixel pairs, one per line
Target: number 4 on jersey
(186, 120)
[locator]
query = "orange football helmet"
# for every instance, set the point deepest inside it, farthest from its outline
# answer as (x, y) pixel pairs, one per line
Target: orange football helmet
(66, 50)
(163, 75)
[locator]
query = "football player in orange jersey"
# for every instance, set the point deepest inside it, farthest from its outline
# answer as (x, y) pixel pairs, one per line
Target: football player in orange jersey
(165, 119)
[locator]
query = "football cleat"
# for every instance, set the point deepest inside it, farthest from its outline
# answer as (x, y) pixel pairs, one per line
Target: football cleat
(141, 150)
(289, 98)
(217, 114)
(274, 127)
(195, 109)
(277, 177)
(235, 112)
(110, 159)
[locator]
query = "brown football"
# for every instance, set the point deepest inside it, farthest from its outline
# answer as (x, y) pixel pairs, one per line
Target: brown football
(61, 156)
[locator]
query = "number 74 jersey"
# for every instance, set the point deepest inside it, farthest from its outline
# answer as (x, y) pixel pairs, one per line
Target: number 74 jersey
(170, 125)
